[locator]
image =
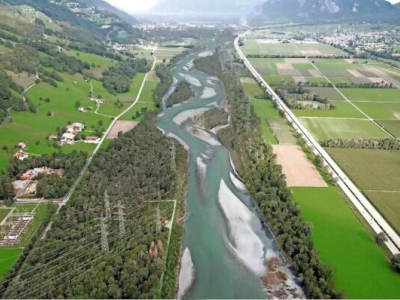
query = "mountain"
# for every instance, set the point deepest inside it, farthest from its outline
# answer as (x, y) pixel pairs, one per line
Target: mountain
(316, 10)
(103, 5)
(206, 7)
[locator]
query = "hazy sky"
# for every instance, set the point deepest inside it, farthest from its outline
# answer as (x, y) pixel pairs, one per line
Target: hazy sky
(140, 6)
(134, 6)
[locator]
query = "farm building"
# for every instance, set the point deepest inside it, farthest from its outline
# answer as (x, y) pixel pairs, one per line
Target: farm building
(21, 156)
(92, 140)
(68, 138)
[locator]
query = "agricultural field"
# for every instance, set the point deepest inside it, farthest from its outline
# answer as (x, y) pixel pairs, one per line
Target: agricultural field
(373, 95)
(361, 269)
(364, 167)
(391, 126)
(388, 203)
(335, 128)
(273, 47)
(283, 132)
(167, 53)
(264, 109)
(342, 110)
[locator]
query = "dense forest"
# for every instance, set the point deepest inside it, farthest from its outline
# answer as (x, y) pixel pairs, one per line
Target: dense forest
(265, 182)
(117, 79)
(182, 93)
(128, 262)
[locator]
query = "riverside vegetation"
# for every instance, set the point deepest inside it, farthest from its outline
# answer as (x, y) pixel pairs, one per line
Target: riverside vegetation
(265, 182)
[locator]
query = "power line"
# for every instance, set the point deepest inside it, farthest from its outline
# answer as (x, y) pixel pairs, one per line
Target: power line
(137, 211)
(98, 257)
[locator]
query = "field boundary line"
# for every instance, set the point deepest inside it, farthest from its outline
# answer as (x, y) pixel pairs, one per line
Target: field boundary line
(350, 102)
(335, 118)
(363, 205)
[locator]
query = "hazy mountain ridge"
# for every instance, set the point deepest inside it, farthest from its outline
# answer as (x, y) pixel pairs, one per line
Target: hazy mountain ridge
(300, 10)
(100, 4)
(207, 6)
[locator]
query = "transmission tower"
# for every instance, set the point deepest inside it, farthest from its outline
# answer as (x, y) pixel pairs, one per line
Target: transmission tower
(121, 218)
(159, 222)
(173, 156)
(104, 235)
(107, 205)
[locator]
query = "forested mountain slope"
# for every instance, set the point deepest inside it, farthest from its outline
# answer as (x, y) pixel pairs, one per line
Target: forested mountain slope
(313, 10)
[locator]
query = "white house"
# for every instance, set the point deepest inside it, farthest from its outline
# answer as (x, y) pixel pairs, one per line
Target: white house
(68, 138)
(79, 127)
(74, 128)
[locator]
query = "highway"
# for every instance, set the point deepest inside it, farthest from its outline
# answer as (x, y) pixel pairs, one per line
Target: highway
(365, 208)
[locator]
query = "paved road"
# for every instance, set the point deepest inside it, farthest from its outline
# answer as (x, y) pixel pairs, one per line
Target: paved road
(365, 208)
(89, 161)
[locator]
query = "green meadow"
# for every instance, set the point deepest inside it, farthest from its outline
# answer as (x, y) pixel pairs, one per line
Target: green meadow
(362, 270)
(265, 109)
(343, 110)
(8, 257)
(146, 101)
(333, 128)
(376, 95)
(98, 63)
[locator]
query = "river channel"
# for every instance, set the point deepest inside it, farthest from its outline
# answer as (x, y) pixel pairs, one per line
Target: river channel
(225, 248)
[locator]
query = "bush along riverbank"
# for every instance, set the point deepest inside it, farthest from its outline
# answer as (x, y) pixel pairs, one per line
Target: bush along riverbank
(264, 180)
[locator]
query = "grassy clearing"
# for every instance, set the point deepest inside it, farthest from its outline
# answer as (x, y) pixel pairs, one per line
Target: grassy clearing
(3, 213)
(252, 90)
(364, 167)
(284, 133)
(388, 111)
(146, 101)
(388, 205)
(23, 79)
(372, 94)
(343, 110)
(8, 257)
(361, 268)
(392, 126)
(325, 128)
(98, 63)
(265, 109)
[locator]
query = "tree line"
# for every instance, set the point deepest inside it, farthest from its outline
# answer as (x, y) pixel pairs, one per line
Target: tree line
(266, 183)
(371, 143)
